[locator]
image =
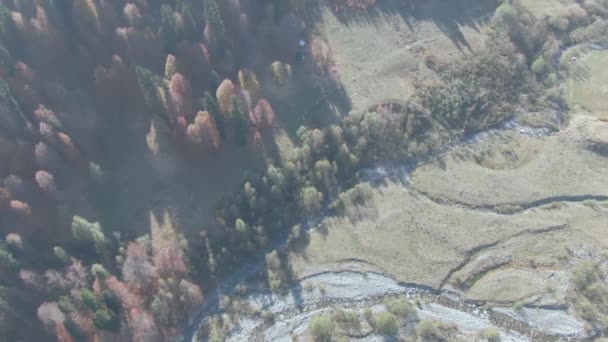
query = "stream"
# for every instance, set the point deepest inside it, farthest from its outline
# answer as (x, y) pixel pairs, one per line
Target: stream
(355, 290)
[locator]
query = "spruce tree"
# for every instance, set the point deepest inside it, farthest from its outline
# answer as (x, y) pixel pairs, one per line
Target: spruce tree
(211, 106)
(213, 17)
(150, 85)
(239, 121)
(168, 27)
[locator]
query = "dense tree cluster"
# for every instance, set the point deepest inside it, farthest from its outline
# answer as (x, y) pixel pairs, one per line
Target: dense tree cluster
(83, 79)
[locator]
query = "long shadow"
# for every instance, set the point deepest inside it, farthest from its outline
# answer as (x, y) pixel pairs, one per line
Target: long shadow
(449, 16)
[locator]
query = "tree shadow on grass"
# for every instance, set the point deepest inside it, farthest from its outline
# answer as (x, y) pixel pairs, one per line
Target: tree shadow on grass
(578, 71)
(449, 16)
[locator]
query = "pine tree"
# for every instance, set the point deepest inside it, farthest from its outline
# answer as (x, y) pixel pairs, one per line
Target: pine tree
(190, 27)
(154, 92)
(239, 121)
(84, 230)
(7, 36)
(211, 106)
(213, 16)
(169, 27)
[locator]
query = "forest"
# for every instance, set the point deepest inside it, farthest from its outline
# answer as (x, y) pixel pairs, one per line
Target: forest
(102, 99)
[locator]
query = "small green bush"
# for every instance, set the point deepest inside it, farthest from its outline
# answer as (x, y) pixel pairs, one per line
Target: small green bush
(345, 318)
(490, 334)
(386, 324)
(268, 316)
(369, 317)
(559, 23)
(321, 328)
(539, 66)
(400, 307)
(427, 330)
(518, 306)
(506, 15)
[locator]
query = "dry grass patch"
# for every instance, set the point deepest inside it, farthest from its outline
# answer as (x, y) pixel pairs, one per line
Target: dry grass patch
(588, 83)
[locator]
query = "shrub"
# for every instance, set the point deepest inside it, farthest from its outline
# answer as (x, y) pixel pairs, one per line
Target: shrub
(345, 318)
(539, 66)
(427, 330)
(268, 316)
(386, 324)
(369, 317)
(321, 328)
(518, 306)
(490, 334)
(400, 307)
(559, 23)
(506, 15)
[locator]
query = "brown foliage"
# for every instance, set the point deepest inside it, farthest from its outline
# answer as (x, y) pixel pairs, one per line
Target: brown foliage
(127, 297)
(192, 294)
(263, 115)
(143, 327)
(46, 181)
(321, 55)
(203, 133)
(77, 275)
(180, 95)
(167, 248)
(137, 269)
(223, 94)
(84, 320)
(68, 146)
(47, 132)
(132, 15)
(20, 208)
